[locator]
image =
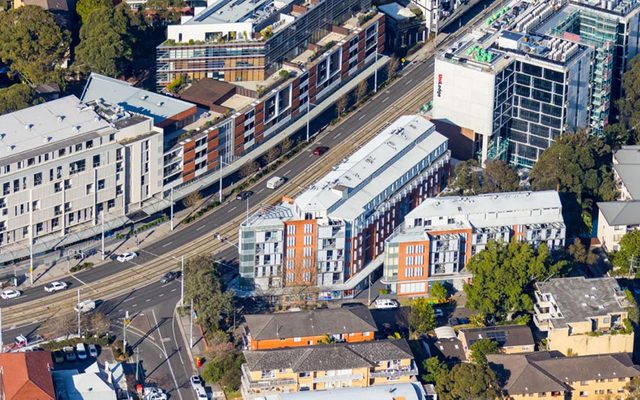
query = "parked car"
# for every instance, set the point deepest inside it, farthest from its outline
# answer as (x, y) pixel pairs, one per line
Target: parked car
(201, 393)
(275, 182)
(245, 194)
(320, 150)
(196, 381)
(124, 257)
(93, 350)
(458, 321)
(438, 313)
(58, 356)
(55, 286)
(169, 276)
(85, 306)
(351, 305)
(81, 351)
(10, 294)
(385, 304)
(69, 354)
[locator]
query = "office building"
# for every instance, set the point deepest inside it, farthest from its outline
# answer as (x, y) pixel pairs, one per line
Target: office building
(441, 235)
(333, 233)
(532, 72)
(246, 40)
(546, 375)
(583, 316)
(308, 328)
(64, 163)
(326, 367)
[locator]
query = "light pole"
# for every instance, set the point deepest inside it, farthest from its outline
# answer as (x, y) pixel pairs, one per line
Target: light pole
(191, 326)
(181, 281)
(220, 184)
(31, 236)
(308, 115)
(171, 195)
(79, 310)
(125, 322)
(375, 74)
(102, 218)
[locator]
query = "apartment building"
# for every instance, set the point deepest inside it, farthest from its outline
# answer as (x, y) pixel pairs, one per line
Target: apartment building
(64, 164)
(583, 316)
(398, 391)
(545, 375)
(332, 233)
(511, 339)
(616, 218)
(440, 236)
(248, 40)
(308, 328)
(532, 72)
(326, 367)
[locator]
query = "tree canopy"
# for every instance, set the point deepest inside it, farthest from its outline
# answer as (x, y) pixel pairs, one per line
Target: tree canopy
(421, 317)
(467, 381)
(503, 275)
(629, 252)
(106, 41)
(629, 104)
(497, 176)
(439, 291)
(467, 178)
(434, 370)
(16, 97)
(84, 8)
(481, 348)
(34, 46)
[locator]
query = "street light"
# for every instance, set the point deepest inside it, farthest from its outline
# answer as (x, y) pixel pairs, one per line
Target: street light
(220, 184)
(308, 115)
(171, 195)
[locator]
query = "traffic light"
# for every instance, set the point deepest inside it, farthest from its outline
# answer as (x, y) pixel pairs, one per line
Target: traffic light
(198, 362)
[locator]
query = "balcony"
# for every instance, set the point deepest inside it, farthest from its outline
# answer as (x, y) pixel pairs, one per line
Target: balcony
(395, 372)
(338, 378)
(264, 383)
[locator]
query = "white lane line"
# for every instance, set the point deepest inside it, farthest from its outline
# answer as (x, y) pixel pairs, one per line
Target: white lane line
(161, 294)
(287, 173)
(147, 300)
(175, 381)
(175, 340)
(362, 117)
(200, 228)
(231, 209)
(173, 290)
(261, 190)
(408, 82)
(135, 305)
(338, 134)
(385, 99)
(166, 244)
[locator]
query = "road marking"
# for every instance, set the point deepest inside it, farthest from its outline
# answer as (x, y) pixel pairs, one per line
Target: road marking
(408, 82)
(147, 300)
(129, 299)
(166, 244)
(135, 305)
(173, 290)
(161, 294)
(287, 173)
(175, 381)
(261, 190)
(175, 340)
(361, 117)
(231, 209)
(385, 99)
(200, 228)
(338, 134)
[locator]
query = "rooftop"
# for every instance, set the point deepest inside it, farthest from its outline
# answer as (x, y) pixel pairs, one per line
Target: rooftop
(133, 99)
(234, 11)
(25, 375)
(397, 11)
(47, 123)
(621, 212)
(345, 192)
(329, 356)
(547, 372)
(579, 298)
(310, 323)
(627, 166)
(407, 391)
(504, 335)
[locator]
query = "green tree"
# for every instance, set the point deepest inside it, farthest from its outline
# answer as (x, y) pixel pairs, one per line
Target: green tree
(468, 381)
(341, 105)
(34, 46)
(467, 178)
(617, 135)
(106, 42)
(15, 97)
(84, 8)
(629, 251)
(421, 317)
(629, 104)
(434, 370)
(581, 255)
(498, 176)
(578, 164)
(224, 369)
(504, 275)
(481, 348)
(203, 286)
(633, 387)
(439, 291)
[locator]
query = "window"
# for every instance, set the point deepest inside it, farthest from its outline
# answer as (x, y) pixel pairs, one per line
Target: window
(37, 179)
(89, 188)
(420, 248)
(291, 241)
(57, 187)
(307, 252)
(100, 184)
(410, 249)
(96, 161)
(291, 229)
(307, 240)
(308, 228)
(409, 260)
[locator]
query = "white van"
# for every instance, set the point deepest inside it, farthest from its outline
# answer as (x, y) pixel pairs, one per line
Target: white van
(81, 351)
(275, 182)
(85, 306)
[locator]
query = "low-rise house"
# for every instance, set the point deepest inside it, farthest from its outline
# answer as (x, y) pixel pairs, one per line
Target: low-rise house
(545, 375)
(316, 368)
(511, 338)
(308, 328)
(626, 165)
(92, 384)
(583, 316)
(26, 376)
(615, 219)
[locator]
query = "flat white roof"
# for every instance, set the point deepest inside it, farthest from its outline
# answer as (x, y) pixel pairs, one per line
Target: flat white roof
(408, 391)
(46, 123)
(370, 170)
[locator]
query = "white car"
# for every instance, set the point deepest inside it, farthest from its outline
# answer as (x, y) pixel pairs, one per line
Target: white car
(10, 294)
(81, 351)
(85, 306)
(201, 393)
(55, 286)
(196, 381)
(93, 350)
(385, 304)
(124, 257)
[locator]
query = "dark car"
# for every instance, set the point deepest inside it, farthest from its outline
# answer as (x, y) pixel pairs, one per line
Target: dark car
(244, 195)
(352, 305)
(320, 150)
(169, 276)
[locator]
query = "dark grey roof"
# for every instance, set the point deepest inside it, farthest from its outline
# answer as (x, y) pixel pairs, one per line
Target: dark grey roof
(579, 298)
(545, 372)
(506, 335)
(329, 356)
(448, 350)
(628, 155)
(310, 323)
(621, 212)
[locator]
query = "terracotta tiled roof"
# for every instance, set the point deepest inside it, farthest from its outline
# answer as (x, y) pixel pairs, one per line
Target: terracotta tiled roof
(26, 376)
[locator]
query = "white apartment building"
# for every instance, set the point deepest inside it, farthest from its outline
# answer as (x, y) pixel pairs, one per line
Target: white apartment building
(332, 233)
(63, 163)
(440, 236)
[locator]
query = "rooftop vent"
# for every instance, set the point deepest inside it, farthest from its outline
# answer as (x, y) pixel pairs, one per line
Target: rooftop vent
(2, 136)
(144, 97)
(11, 147)
(76, 128)
(48, 139)
(160, 103)
(60, 118)
(28, 126)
